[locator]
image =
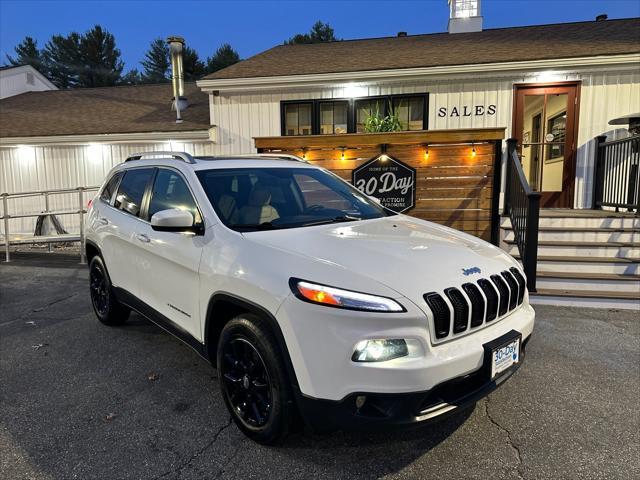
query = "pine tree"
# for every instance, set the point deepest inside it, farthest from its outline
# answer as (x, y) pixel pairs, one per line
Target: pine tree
(62, 57)
(132, 77)
(194, 68)
(87, 60)
(224, 56)
(156, 66)
(27, 53)
(320, 32)
(100, 59)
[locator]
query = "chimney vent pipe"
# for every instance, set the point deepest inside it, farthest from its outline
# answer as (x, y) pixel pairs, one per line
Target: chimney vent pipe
(176, 46)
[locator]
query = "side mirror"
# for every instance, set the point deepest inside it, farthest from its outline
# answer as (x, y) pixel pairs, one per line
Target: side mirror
(174, 220)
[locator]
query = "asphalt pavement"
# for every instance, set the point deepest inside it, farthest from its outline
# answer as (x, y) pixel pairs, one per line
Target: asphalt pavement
(82, 400)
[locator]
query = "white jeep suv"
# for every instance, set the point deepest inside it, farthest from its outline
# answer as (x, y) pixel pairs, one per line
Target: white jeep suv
(309, 297)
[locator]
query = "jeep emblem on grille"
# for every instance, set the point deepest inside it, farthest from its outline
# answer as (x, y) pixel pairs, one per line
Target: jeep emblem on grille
(471, 271)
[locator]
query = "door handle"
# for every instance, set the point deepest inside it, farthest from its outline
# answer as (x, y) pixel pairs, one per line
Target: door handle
(102, 221)
(142, 238)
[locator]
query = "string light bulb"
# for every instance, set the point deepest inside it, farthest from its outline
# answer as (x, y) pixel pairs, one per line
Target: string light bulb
(304, 153)
(426, 152)
(473, 151)
(342, 154)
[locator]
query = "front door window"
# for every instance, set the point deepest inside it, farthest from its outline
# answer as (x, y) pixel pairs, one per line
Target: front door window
(545, 129)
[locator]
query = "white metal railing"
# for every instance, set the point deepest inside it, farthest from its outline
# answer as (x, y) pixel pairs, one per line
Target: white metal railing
(48, 239)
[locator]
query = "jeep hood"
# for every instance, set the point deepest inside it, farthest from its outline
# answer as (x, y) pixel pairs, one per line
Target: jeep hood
(405, 254)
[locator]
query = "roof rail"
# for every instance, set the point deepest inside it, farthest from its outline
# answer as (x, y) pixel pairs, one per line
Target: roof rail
(184, 156)
(281, 156)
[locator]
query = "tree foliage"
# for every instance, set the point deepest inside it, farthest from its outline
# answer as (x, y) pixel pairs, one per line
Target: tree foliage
(194, 68)
(91, 59)
(222, 58)
(156, 65)
(132, 77)
(27, 53)
(320, 32)
(62, 59)
(100, 64)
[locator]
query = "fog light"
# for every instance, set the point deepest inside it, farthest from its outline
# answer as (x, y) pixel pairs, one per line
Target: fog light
(379, 350)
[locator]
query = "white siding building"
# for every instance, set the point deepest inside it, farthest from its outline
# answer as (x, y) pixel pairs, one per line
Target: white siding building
(21, 79)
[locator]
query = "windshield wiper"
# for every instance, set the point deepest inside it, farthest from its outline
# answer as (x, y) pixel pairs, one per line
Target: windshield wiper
(338, 219)
(254, 226)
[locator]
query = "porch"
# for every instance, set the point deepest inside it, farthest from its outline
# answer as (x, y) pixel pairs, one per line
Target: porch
(455, 177)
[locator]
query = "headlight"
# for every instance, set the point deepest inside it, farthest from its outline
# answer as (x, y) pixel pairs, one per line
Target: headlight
(336, 297)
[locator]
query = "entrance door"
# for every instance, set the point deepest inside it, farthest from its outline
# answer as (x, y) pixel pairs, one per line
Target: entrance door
(545, 124)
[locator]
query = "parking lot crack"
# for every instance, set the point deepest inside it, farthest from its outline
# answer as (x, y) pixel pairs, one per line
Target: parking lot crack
(512, 444)
(176, 471)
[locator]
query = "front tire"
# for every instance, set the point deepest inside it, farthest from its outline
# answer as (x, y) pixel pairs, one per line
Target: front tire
(253, 379)
(105, 305)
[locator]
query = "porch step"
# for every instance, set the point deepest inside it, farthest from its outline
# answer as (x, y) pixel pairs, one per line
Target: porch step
(581, 248)
(575, 264)
(624, 235)
(587, 294)
(586, 298)
(602, 282)
(609, 222)
(585, 258)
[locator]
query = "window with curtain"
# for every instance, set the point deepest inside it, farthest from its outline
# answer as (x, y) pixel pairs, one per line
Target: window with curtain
(333, 117)
(410, 111)
(297, 118)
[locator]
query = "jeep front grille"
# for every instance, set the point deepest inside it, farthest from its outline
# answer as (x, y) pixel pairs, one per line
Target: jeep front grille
(456, 312)
(441, 314)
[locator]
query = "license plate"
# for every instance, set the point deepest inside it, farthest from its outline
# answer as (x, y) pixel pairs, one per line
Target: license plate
(504, 357)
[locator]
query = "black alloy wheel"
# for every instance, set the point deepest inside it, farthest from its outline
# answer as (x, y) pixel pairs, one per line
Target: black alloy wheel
(99, 289)
(105, 305)
(253, 379)
(246, 382)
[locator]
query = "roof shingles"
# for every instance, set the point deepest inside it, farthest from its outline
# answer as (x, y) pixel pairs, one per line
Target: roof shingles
(89, 111)
(565, 40)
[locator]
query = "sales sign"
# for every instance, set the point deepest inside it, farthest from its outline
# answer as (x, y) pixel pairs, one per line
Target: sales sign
(389, 180)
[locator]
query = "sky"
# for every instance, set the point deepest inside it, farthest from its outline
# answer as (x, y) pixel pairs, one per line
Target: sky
(254, 26)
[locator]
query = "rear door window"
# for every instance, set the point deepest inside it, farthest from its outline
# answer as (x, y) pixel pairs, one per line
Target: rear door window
(131, 190)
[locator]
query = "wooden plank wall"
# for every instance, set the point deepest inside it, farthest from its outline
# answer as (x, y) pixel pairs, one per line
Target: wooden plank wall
(454, 185)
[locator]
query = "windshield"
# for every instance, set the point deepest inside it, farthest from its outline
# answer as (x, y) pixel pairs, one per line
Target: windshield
(248, 199)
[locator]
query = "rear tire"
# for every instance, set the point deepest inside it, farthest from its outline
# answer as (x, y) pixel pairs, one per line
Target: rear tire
(253, 379)
(105, 305)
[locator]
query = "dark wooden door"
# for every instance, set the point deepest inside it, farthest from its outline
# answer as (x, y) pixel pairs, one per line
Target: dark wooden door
(545, 124)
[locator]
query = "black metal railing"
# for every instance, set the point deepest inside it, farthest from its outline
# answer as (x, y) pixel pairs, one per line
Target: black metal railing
(522, 205)
(616, 179)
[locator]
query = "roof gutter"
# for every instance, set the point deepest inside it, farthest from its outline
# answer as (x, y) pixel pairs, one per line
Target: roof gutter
(144, 137)
(390, 75)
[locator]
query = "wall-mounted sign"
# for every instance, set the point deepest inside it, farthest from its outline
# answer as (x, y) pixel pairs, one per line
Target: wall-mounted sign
(467, 111)
(389, 180)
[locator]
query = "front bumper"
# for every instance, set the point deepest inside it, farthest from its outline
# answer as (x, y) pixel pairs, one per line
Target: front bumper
(321, 340)
(403, 409)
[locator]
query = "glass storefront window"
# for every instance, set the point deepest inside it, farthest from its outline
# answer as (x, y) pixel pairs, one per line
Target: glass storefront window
(333, 117)
(297, 119)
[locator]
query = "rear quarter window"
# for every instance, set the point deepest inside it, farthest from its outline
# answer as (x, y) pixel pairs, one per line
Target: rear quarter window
(131, 190)
(110, 187)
